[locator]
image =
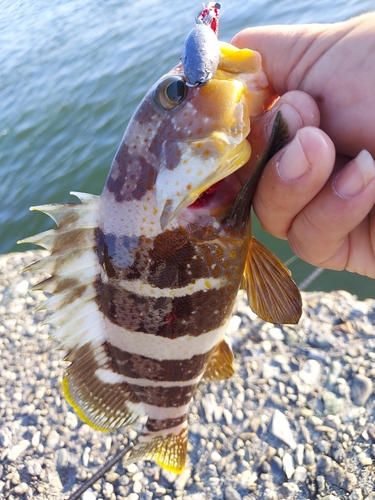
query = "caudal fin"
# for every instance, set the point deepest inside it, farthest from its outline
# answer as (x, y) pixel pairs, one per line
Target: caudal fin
(167, 448)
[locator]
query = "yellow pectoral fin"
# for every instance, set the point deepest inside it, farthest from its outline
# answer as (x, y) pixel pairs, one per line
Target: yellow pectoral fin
(220, 366)
(271, 292)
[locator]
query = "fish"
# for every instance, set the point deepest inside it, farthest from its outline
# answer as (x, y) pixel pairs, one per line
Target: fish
(143, 278)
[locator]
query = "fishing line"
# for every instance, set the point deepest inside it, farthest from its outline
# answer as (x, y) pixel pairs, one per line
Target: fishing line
(290, 261)
(310, 278)
(100, 473)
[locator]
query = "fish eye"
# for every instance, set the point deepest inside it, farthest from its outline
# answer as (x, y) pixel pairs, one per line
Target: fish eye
(171, 92)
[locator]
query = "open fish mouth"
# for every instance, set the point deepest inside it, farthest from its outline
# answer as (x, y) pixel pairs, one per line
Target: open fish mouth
(196, 195)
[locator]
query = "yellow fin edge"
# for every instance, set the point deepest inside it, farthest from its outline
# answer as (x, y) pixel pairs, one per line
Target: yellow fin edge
(170, 468)
(77, 409)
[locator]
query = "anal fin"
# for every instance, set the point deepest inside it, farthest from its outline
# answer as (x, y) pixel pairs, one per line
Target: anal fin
(220, 366)
(271, 292)
(99, 395)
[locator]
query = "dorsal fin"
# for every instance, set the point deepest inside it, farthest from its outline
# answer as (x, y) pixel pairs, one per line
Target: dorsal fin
(100, 395)
(220, 366)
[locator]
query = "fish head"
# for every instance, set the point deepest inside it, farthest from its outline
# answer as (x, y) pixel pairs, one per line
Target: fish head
(183, 139)
(202, 136)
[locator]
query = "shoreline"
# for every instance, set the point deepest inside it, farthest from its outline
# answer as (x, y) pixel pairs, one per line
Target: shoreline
(297, 420)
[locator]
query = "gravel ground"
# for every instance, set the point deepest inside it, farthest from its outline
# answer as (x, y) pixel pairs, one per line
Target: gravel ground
(296, 421)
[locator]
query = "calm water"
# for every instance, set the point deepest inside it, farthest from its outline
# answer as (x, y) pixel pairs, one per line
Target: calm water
(72, 73)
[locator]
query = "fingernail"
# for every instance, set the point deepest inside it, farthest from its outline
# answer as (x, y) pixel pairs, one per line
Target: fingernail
(292, 118)
(293, 162)
(355, 176)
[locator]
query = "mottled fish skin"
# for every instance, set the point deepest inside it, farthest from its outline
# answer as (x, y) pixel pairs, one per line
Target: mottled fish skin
(145, 282)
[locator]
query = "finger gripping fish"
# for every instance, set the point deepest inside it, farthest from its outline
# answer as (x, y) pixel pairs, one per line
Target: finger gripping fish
(144, 277)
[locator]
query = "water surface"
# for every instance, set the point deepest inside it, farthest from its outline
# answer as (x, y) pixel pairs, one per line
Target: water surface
(71, 75)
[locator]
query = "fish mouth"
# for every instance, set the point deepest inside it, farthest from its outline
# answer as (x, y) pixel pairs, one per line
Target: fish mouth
(172, 206)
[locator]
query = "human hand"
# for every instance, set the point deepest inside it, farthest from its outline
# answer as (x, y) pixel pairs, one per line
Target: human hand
(319, 191)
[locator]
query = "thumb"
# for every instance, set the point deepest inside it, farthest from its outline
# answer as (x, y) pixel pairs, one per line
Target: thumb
(285, 52)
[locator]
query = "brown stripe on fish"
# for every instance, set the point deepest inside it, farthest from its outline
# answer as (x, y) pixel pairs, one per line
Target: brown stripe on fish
(174, 370)
(153, 425)
(167, 316)
(164, 397)
(170, 260)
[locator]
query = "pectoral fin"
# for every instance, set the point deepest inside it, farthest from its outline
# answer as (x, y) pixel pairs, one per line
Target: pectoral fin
(220, 366)
(271, 292)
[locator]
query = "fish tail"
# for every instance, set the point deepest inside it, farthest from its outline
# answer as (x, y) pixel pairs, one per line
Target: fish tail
(168, 448)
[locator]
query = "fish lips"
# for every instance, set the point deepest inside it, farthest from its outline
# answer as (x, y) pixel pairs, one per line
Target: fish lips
(176, 191)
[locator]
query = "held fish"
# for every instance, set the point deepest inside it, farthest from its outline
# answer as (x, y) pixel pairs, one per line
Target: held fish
(144, 277)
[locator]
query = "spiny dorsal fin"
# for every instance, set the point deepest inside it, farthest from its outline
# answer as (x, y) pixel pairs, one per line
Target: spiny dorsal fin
(220, 366)
(271, 292)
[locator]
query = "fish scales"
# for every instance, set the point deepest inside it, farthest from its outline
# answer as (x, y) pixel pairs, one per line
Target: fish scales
(145, 276)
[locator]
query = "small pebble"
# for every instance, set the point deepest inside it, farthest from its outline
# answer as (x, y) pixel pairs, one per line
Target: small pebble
(289, 489)
(17, 450)
(356, 494)
(88, 495)
(310, 372)
(300, 474)
(21, 489)
(34, 467)
(86, 456)
(269, 494)
(280, 428)
(53, 439)
(215, 456)
(361, 389)
(137, 487)
(332, 404)
(288, 465)
(364, 459)
(108, 490)
(300, 450)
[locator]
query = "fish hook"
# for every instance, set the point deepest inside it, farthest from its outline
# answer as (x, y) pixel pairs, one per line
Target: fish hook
(209, 14)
